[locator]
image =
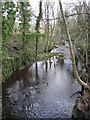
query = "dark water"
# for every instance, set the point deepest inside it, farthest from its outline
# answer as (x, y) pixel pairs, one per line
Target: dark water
(42, 90)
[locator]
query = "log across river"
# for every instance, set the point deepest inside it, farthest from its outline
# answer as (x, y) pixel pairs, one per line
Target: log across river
(43, 90)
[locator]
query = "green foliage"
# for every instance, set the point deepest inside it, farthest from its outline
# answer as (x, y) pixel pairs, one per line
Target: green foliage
(46, 55)
(8, 18)
(24, 26)
(37, 27)
(11, 59)
(39, 17)
(24, 16)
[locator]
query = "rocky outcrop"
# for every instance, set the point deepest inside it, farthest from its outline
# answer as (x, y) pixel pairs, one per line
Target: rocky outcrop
(81, 110)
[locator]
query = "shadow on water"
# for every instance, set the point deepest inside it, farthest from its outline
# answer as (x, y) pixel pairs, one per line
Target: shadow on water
(42, 90)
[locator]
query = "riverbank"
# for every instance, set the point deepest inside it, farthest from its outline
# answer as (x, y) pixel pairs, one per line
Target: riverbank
(81, 109)
(42, 90)
(43, 56)
(57, 70)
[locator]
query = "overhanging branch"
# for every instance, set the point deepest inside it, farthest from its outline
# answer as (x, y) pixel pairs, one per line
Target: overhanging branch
(71, 15)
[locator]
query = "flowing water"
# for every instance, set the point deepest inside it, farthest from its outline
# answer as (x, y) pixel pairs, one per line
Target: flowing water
(43, 90)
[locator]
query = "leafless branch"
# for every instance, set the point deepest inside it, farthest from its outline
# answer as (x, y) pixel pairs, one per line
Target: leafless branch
(61, 17)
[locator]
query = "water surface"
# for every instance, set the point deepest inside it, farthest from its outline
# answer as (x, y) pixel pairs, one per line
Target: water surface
(43, 90)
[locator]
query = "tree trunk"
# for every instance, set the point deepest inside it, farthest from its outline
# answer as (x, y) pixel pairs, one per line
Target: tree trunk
(37, 27)
(36, 46)
(72, 50)
(47, 25)
(88, 9)
(23, 34)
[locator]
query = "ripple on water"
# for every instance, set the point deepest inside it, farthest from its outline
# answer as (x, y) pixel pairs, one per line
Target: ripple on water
(42, 91)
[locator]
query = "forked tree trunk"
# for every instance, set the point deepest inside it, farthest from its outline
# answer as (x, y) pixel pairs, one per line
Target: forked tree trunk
(81, 82)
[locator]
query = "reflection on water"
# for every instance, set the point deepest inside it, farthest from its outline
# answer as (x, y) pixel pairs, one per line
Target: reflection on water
(42, 90)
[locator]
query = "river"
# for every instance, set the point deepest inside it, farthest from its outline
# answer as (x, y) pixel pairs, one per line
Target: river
(43, 90)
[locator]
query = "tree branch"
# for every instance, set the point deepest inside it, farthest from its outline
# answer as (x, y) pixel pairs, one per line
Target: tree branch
(61, 17)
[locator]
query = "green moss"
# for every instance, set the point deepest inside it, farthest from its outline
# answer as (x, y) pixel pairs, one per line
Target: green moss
(46, 55)
(61, 56)
(74, 112)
